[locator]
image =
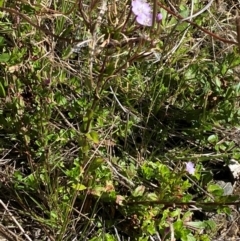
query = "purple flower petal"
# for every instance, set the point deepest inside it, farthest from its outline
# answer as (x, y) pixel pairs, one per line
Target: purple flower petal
(143, 11)
(190, 168)
(140, 7)
(145, 20)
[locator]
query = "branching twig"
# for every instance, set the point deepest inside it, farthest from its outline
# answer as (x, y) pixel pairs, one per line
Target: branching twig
(172, 203)
(197, 26)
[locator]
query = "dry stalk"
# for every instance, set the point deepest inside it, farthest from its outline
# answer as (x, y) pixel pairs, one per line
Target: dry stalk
(15, 220)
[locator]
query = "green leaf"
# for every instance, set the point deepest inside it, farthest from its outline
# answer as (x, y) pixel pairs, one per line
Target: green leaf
(152, 196)
(27, 139)
(213, 139)
(67, 52)
(78, 187)
(190, 237)
(97, 162)
(210, 224)
(98, 191)
(4, 57)
(28, 9)
(89, 114)
(218, 82)
(143, 239)
(229, 93)
(109, 237)
(205, 237)
(149, 226)
(165, 18)
(184, 11)
(226, 210)
(176, 213)
(224, 69)
(60, 98)
(163, 170)
(2, 39)
(93, 136)
(53, 215)
(215, 189)
(235, 61)
(138, 192)
(178, 225)
(197, 224)
(94, 239)
(2, 91)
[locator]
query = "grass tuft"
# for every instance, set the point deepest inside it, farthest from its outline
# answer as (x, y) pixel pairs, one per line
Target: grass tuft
(100, 115)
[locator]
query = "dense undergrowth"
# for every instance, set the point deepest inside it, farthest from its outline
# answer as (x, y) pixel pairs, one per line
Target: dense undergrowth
(99, 116)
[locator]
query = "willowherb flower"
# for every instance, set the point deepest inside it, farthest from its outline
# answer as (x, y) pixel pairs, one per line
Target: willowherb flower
(190, 168)
(143, 11)
(141, 7)
(145, 19)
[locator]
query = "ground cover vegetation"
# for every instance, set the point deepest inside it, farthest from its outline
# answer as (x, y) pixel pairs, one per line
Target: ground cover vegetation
(114, 116)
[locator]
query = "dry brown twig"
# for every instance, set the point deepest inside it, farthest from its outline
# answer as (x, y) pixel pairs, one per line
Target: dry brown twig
(213, 35)
(7, 234)
(15, 221)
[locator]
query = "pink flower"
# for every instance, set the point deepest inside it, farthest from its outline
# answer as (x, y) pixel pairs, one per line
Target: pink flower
(140, 7)
(143, 11)
(145, 20)
(190, 168)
